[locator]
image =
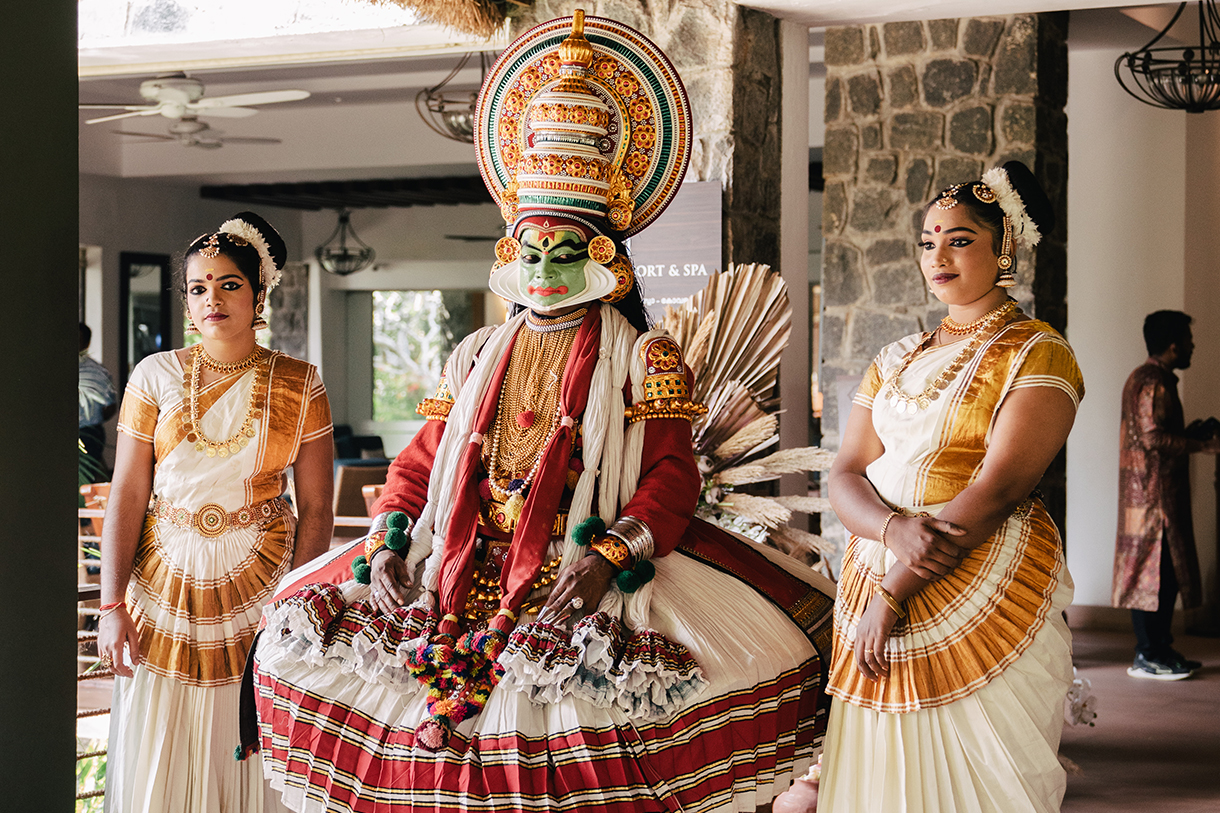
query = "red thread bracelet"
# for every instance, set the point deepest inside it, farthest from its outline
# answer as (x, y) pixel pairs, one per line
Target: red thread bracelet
(111, 606)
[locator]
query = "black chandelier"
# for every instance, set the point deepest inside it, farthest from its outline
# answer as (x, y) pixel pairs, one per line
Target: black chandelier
(343, 259)
(1177, 78)
(448, 113)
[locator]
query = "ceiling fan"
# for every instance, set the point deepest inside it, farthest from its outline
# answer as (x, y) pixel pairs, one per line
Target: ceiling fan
(191, 132)
(178, 96)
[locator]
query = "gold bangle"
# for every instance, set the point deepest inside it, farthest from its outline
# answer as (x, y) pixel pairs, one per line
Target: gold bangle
(614, 550)
(885, 525)
(889, 599)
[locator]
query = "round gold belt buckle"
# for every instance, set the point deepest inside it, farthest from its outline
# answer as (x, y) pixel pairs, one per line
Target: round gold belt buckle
(211, 520)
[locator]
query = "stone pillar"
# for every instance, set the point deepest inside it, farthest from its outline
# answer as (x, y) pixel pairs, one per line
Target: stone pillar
(912, 107)
(290, 312)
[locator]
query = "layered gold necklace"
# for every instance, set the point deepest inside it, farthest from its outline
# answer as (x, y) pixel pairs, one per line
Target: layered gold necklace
(528, 409)
(255, 402)
(903, 403)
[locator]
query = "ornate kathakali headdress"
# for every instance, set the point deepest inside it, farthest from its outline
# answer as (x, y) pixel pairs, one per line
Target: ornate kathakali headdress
(582, 124)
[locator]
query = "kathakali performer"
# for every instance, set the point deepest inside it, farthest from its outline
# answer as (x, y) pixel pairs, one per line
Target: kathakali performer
(535, 621)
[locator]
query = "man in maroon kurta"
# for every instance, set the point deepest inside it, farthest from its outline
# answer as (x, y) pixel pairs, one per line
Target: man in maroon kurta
(1155, 555)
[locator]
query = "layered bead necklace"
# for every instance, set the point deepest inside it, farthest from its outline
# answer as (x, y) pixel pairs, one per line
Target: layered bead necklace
(903, 403)
(255, 402)
(531, 388)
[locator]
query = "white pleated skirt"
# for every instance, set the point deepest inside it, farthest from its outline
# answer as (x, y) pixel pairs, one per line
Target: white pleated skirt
(171, 751)
(995, 751)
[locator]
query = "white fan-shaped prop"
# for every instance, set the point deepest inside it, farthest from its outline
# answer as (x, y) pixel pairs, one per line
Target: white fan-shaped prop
(180, 96)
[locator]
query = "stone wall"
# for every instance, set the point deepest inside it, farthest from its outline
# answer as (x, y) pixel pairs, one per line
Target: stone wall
(912, 107)
(729, 61)
(289, 306)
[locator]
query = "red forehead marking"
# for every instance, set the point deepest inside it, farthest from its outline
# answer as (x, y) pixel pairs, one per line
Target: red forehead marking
(937, 230)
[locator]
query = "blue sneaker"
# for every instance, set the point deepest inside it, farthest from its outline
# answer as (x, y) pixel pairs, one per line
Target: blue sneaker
(1156, 670)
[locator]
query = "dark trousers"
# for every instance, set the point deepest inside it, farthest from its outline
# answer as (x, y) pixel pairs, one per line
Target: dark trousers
(1153, 638)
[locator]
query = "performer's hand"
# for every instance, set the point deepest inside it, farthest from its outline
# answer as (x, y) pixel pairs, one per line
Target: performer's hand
(586, 580)
(872, 633)
(924, 545)
(389, 582)
(113, 632)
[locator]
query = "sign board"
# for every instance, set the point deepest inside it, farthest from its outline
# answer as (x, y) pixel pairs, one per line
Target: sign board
(676, 255)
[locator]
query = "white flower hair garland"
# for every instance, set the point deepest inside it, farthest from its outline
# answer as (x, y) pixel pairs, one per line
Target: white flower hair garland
(269, 274)
(1025, 230)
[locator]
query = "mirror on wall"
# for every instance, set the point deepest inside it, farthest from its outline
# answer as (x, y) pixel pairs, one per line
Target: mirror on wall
(144, 309)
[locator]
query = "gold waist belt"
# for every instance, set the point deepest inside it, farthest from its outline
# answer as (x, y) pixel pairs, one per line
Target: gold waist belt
(495, 515)
(213, 520)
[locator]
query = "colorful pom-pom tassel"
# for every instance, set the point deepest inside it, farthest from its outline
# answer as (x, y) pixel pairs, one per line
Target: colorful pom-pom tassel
(361, 570)
(398, 520)
(589, 528)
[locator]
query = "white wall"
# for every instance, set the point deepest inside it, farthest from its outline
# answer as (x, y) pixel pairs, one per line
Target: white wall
(1128, 192)
(1201, 385)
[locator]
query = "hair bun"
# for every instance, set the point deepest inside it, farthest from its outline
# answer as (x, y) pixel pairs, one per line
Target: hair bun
(1037, 205)
(275, 244)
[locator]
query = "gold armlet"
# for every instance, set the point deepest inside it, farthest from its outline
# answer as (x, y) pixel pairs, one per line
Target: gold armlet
(889, 599)
(434, 409)
(665, 408)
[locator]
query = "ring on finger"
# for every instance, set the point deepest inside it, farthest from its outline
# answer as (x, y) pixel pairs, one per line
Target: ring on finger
(577, 603)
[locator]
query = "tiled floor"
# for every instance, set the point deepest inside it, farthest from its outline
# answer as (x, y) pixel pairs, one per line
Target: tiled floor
(1155, 747)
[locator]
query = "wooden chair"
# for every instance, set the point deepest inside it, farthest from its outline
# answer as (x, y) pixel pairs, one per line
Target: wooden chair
(349, 499)
(371, 494)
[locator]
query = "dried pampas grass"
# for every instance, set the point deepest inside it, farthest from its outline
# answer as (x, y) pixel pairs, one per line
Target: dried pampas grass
(482, 18)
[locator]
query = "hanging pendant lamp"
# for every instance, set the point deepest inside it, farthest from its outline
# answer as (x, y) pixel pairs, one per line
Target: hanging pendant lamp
(451, 113)
(340, 258)
(1185, 78)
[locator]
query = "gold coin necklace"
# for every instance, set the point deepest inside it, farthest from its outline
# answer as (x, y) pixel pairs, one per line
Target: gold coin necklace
(904, 403)
(255, 401)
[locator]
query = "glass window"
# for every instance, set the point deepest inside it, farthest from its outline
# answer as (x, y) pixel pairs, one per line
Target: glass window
(413, 334)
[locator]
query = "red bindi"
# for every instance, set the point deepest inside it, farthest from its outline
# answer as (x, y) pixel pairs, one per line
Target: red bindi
(937, 230)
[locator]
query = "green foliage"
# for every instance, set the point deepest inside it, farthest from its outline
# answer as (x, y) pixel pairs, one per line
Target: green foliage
(90, 774)
(88, 471)
(413, 334)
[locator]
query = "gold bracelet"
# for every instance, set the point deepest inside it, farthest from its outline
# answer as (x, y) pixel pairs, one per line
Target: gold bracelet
(885, 525)
(889, 599)
(614, 550)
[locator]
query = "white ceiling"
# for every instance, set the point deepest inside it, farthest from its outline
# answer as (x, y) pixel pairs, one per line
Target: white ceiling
(360, 121)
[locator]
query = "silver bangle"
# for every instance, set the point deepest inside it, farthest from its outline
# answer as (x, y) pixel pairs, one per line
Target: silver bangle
(636, 535)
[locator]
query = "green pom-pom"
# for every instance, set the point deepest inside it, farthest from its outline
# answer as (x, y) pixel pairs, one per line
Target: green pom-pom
(398, 520)
(627, 581)
(361, 569)
(644, 571)
(583, 533)
(396, 539)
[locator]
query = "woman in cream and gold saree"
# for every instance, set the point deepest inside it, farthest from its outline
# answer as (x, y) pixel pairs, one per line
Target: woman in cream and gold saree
(951, 656)
(197, 534)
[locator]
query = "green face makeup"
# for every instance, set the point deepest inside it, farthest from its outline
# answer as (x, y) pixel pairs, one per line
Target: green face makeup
(552, 265)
